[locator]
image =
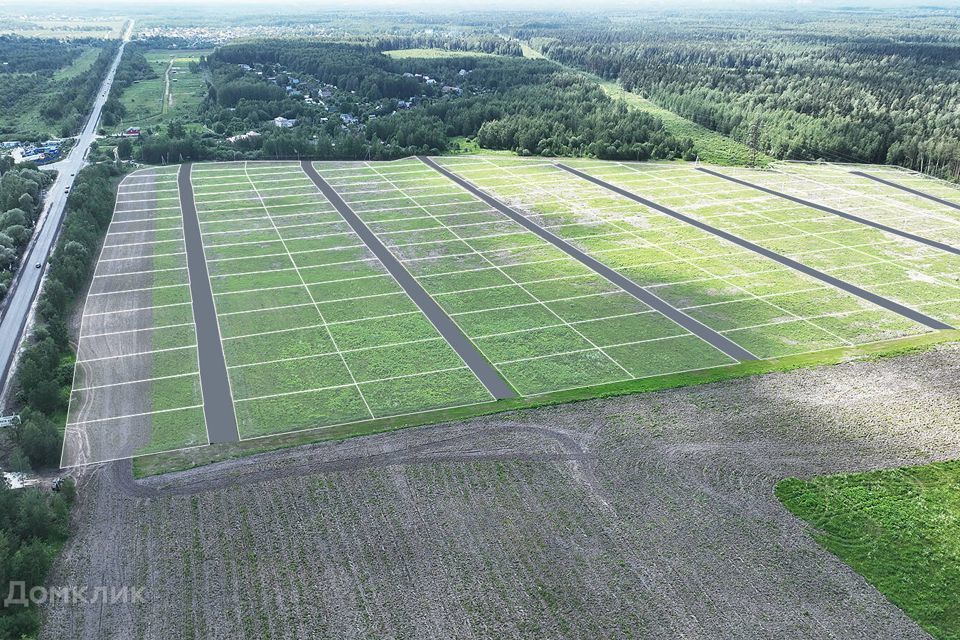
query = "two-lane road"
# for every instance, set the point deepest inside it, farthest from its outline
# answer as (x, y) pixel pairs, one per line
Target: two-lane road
(18, 304)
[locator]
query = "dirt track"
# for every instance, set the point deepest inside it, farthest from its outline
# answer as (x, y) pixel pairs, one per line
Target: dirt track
(650, 516)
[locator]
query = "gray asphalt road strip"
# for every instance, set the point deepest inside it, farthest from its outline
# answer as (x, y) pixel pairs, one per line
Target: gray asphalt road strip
(218, 410)
(886, 303)
(837, 212)
(695, 327)
(915, 192)
(484, 371)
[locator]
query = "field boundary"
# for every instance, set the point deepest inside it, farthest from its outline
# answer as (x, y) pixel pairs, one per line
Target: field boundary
(181, 459)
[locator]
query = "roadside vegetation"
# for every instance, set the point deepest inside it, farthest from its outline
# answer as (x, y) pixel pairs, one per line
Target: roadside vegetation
(898, 529)
(21, 201)
(45, 372)
(48, 85)
(34, 525)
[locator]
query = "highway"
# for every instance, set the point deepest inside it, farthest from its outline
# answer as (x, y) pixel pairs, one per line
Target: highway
(18, 305)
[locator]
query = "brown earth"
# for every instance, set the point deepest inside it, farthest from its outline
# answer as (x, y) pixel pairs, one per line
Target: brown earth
(651, 516)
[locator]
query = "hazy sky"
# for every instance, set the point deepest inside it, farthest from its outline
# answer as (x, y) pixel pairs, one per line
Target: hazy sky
(259, 6)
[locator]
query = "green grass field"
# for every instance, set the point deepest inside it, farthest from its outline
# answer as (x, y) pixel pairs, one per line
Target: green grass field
(401, 54)
(155, 102)
(711, 146)
(317, 334)
(898, 529)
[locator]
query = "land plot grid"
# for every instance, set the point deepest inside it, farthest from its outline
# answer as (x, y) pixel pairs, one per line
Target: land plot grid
(767, 308)
(543, 319)
(315, 331)
(136, 384)
(910, 273)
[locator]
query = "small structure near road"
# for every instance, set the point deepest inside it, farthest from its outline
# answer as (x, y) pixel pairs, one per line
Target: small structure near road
(131, 132)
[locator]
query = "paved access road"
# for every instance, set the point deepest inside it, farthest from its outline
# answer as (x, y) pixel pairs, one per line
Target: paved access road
(837, 212)
(472, 357)
(895, 185)
(886, 303)
(692, 325)
(18, 305)
(218, 410)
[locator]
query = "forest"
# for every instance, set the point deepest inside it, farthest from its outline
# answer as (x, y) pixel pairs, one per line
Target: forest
(377, 107)
(21, 200)
(851, 86)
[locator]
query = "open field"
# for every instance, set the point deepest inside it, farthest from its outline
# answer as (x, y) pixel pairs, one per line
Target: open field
(646, 516)
(711, 146)
(61, 27)
(434, 53)
(895, 527)
(557, 283)
(175, 94)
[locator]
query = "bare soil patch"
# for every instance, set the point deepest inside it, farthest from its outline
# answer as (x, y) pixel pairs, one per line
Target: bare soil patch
(650, 516)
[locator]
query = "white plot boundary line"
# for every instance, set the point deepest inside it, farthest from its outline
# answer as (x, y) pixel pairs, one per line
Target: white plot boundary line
(573, 184)
(548, 309)
(472, 404)
(837, 245)
(310, 294)
(78, 363)
(476, 375)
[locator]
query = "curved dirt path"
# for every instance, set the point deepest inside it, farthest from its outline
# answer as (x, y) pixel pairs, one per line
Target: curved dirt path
(649, 516)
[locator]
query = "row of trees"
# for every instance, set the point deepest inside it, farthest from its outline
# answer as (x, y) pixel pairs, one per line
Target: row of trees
(885, 91)
(21, 192)
(45, 373)
(66, 104)
(33, 527)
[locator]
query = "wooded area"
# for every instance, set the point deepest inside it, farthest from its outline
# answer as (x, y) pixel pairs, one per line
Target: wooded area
(886, 91)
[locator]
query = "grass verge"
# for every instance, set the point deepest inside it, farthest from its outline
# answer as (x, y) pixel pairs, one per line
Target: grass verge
(179, 460)
(898, 529)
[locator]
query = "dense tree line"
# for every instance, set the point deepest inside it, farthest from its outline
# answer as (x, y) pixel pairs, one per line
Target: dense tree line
(886, 91)
(28, 55)
(62, 104)
(45, 372)
(351, 67)
(21, 195)
(481, 43)
(69, 105)
(33, 527)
